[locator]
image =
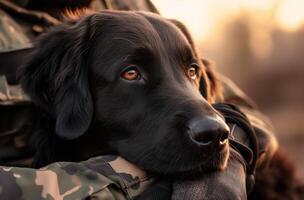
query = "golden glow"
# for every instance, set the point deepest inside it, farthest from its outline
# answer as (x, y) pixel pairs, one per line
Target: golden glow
(202, 17)
(290, 15)
(195, 15)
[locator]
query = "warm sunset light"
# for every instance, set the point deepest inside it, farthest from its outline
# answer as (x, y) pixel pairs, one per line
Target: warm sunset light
(152, 99)
(203, 16)
(196, 14)
(290, 14)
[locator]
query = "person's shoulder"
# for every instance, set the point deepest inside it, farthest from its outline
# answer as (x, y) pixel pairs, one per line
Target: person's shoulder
(12, 37)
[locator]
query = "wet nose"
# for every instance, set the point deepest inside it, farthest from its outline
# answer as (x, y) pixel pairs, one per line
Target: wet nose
(209, 131)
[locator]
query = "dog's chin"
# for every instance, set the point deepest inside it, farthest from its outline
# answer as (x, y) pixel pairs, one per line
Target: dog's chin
(216, 163)
(194, 167)
(219, 162)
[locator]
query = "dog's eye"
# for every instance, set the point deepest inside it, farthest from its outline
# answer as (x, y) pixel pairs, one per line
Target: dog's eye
(131, 73)
(192, 71)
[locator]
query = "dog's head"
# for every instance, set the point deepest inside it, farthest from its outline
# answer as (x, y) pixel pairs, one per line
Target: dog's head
(135, 80)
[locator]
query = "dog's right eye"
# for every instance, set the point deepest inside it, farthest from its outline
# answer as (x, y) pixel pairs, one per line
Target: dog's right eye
(131, 73)
(192, 71)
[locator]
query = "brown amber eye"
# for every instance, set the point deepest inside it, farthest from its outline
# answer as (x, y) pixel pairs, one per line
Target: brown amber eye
(192, 73)
(131, 73)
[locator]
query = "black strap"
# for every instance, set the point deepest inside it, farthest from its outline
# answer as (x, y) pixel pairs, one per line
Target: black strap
(235, 116)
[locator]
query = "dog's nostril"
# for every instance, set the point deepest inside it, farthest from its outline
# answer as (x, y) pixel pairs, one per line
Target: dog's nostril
(203, 139)
(224, 137)
(209, 131)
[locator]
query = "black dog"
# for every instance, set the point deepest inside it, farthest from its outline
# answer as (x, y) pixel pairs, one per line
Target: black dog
(127, 83)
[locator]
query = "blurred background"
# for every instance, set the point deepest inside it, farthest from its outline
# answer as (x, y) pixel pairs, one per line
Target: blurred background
(260, 45)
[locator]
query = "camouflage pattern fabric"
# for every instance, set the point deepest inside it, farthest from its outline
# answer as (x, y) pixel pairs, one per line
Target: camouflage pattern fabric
(11, 35)
(15, 125)
(99, 178)
(11, 94)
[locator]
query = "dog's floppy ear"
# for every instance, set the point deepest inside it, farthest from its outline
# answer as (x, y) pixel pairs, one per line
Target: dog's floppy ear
(215, 92)
(210, 85)
(185, 31)
(56, 77)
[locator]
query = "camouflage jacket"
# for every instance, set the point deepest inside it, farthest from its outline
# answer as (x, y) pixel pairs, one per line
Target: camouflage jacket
(99, 178)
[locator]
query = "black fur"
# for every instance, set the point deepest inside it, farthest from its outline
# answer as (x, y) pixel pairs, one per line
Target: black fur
(87, 109)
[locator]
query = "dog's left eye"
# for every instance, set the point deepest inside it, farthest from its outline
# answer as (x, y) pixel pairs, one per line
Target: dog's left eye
(192, 71)
(131, 73)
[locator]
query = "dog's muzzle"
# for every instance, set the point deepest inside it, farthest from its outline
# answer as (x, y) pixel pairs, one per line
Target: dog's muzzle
(209, 132)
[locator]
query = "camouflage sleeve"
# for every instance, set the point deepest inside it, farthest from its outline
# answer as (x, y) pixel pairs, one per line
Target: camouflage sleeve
(104, 177)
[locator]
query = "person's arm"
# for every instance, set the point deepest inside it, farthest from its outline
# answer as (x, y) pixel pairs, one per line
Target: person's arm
(104, 177)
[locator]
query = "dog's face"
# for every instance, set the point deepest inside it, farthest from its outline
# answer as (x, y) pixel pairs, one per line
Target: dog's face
(133, 80)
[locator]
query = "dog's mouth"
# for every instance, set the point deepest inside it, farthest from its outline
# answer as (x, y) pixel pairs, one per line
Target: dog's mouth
(203, 159)
(190, 167)
(174, 150)
(216, 162)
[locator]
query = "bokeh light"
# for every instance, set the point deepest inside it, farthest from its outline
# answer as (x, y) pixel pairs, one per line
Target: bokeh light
(202, 16)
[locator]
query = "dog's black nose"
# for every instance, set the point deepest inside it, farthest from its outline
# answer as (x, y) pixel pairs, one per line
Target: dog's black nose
(209, 131)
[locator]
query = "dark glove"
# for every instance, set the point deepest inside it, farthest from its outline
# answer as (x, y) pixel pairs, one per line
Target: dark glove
(220, 185)
(160, 190)
(243, 139)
